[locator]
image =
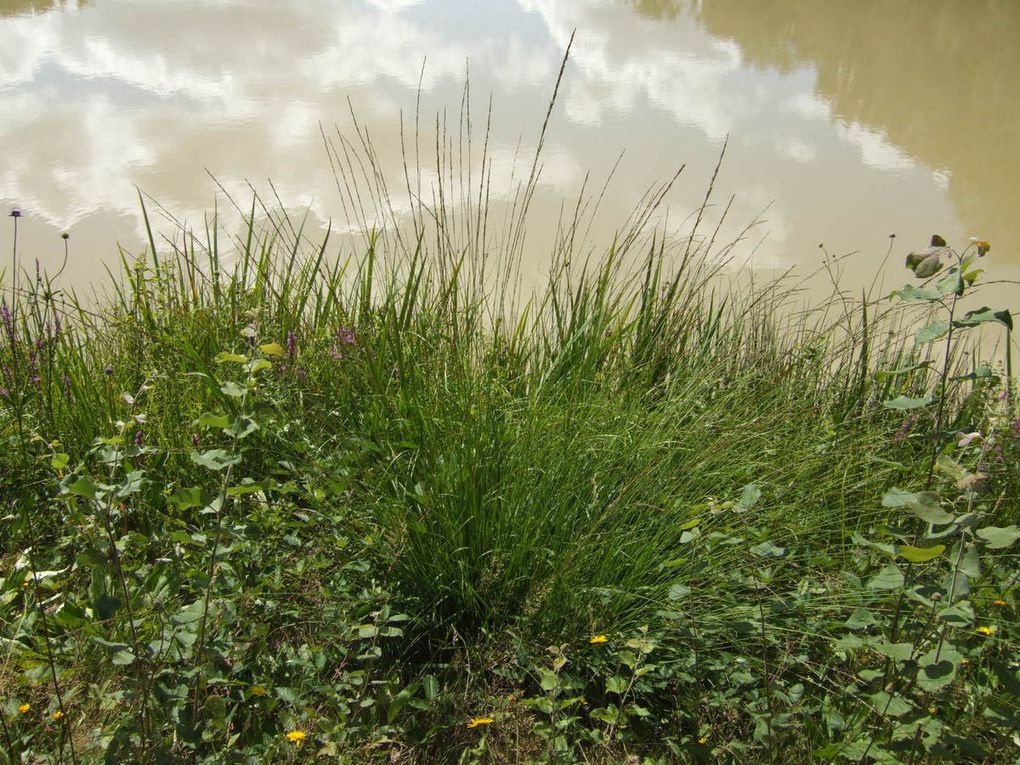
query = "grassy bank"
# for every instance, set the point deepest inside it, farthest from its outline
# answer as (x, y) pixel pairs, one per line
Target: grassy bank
(279, 507)
(266, 503)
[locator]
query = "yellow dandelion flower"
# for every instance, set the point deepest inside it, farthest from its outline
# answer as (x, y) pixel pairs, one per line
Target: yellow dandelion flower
(703, 740)
(474, 722)
(296, 736)
(258, 690)
(57, 715)
(986, 630)
(596, 639)
(23, 709)
(964, 662)
(999, 602)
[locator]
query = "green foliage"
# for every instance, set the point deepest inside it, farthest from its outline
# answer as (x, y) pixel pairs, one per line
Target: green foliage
(367, 512)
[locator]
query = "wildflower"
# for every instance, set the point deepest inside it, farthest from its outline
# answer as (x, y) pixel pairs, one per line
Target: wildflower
(703, 740)
(596, 639)
(57, 715)
(964, 662)
(24, 708)
(196, 440)
(982, 246)
(999, 602)
(291, 344)
(296, 736)
(258, 690)
(65, 236)
(986, 630)
(15, 212)
(139, 438)
(108, 370)
(474, 722)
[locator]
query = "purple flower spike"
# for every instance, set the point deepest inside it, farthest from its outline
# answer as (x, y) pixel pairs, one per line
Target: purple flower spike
(139, 438)
(196, 440)
(291, 344)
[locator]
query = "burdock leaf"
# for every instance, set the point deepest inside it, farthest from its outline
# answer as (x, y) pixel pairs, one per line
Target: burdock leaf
(983, 316)
(999, 537)
(923, 504)
(889, 578)
(920, 554)
(931, 332)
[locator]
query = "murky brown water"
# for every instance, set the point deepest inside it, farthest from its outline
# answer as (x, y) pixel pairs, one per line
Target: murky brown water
(848, 121)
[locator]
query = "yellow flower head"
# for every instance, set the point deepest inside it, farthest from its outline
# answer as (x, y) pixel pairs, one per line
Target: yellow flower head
(23, 709)
(258, 690)
(57, 715)
(703, 740)
(986, 630)
(474, 722)
(1000, 603)
(595, 639)
(964, 662)
(297, 736)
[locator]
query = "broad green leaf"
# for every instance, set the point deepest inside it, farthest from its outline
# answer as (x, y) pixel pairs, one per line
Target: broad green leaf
(241, 427)
(273, 349)
(931, 332)
(924, 504)
(897, 651)
(81, 486)
(225, 357)
(677, 591)
(260, 364)
(999, 537)
(890, 706)
(958, 615)
(920, 554)
(937, 668)
(233, 389)
(768, 550)
(132, 483)
(860, 619)
(910, 293)
(951, 283)
(215, 459)
(980, 373)
(210, 420)
(984, 315)
(905, 402)
(749, 496)
(889, 578)
(616, 684)
(122, 658)
(59, 461)
(187, 498)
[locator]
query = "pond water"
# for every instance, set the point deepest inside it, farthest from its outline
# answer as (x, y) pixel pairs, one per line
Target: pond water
(846, 121)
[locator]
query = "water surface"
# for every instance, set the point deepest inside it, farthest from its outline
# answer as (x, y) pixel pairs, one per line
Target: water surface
(846, 121)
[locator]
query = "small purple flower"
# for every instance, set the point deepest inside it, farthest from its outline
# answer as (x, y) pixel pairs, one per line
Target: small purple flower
(196, 440)
(67, 385)
(15, 212)
(108, 370)
(5, 393)
(345, 335)
(291, 344)
(139, 438)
